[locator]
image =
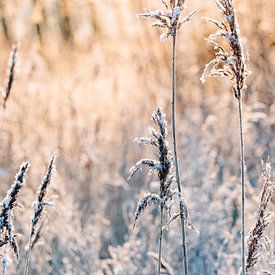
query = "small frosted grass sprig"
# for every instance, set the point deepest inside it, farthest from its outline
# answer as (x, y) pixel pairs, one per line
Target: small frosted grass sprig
(169, 19)
(39, 208)
(231, 64)
(263, 218)
(40, 203)
(7, 205)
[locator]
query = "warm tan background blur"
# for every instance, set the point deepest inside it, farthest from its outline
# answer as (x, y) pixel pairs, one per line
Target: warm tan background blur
(89, 75)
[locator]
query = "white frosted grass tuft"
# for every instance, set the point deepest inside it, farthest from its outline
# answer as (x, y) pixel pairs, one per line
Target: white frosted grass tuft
(169, 19)
(147, 200)
(176, 13)
(154, 165)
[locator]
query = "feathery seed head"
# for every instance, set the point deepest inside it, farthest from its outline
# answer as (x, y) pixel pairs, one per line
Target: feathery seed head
(163, 166)
(170, 19)
(231, 64)
(40, 203)
(157, 138)
(150, 199)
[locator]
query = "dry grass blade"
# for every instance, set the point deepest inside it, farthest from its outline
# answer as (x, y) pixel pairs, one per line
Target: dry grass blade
(11, 73)
(165, 266)
(257, 233)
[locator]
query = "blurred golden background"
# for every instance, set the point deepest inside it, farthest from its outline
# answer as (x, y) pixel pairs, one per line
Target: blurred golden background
(88, 76)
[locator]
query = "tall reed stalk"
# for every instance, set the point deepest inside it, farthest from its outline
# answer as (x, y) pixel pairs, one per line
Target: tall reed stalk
(231, 64)
(171, 20)
(160, 237)
(242, 182)
(173, 103)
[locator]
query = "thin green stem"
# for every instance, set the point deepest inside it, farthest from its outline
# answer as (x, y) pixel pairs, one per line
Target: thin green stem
(160, 238)
(242, 183)
(184, 248)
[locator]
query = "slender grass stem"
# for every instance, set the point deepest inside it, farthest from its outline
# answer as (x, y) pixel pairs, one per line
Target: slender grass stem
(160, 238)
(242, 184)
(28, 256)
(173, 103)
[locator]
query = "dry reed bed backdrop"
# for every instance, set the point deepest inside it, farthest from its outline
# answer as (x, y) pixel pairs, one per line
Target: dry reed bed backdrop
(88, 76)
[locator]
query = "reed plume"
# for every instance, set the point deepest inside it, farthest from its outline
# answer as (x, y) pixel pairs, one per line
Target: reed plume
(39, 208)
(263, 218)
(10, 201)
(171, 19)
(163, 168)
(231, 64)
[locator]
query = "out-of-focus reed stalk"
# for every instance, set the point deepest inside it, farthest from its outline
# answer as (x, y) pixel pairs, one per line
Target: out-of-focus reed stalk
(171, 20)
(39, 207)
(231, 64)
(263, 218)
(10, 75)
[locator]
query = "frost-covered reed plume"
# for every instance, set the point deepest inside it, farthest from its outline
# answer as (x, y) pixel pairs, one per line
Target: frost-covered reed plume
(39, 208)
(10, 75)
(10, 201)
(231, 64)
(257, 239)
(171, 19)
(163, 168)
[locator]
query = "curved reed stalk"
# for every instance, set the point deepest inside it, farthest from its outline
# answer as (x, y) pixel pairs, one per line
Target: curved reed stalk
(183, 221)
